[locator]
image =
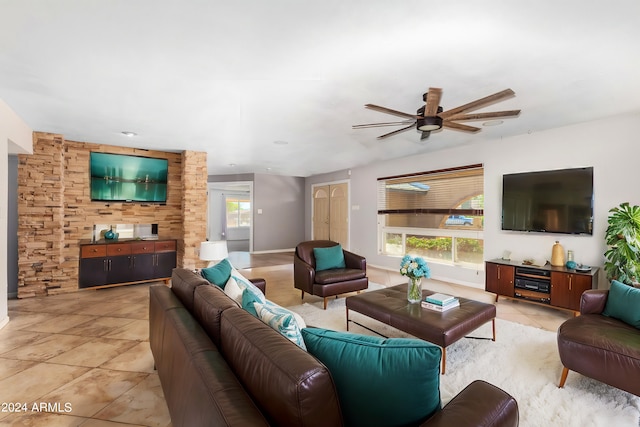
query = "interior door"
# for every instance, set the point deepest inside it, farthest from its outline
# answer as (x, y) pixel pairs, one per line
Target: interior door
(321, 213)
(339, 214)
(331, 213)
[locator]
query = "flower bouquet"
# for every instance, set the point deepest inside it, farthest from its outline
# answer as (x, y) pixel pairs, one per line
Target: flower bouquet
(415, 269)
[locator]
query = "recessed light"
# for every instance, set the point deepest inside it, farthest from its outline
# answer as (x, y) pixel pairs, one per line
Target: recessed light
(493, 123)
(232, 164)
(280, 142)
(129, 134)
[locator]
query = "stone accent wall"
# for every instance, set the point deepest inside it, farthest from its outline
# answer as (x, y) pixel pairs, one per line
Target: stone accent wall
(194, 207)
(55, 211)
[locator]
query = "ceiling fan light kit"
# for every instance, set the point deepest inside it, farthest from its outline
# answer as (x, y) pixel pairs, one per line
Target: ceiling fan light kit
(426, 124)
(431, 116)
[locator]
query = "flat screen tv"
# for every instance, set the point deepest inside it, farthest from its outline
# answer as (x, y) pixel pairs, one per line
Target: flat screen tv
(554, 201)
(124, 178)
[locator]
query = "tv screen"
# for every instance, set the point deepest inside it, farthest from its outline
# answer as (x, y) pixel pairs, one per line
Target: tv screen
(555, 201)
(123, 178)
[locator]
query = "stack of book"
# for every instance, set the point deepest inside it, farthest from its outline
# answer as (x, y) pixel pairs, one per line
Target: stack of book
(440, 302)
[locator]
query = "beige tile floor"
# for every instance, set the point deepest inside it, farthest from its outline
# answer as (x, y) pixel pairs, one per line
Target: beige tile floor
(83, 358)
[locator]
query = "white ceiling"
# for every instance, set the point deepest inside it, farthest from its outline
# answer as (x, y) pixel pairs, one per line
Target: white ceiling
(233, 77)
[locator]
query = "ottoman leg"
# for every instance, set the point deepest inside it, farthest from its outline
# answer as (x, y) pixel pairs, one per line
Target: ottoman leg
(444, 359)
(563, 377)
(493, 326)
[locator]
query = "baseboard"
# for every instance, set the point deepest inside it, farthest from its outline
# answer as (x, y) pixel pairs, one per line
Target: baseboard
(273, 251)
(4, 322)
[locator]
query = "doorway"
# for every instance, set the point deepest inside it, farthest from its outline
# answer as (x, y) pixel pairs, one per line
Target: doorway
(331, 212)
(230, 214)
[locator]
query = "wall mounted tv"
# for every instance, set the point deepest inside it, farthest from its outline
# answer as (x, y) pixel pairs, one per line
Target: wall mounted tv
(124, 178)
(554, 201)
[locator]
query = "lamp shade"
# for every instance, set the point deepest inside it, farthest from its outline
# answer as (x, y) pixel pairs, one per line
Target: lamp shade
(213, 251)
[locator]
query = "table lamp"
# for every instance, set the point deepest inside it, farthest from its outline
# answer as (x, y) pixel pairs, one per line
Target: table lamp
(213, 251)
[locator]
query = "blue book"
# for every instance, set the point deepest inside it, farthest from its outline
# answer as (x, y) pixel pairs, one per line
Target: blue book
(441, 299)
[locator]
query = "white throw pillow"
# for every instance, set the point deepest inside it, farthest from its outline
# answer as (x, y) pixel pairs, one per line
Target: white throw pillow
(233, 290)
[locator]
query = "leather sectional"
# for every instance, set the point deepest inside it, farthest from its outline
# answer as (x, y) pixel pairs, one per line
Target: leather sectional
(221, 366)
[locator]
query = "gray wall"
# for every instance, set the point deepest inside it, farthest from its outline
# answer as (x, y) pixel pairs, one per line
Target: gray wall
(281, 224)
(12, 229)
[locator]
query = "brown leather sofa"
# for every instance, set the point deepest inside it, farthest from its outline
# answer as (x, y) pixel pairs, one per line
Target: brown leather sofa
(600, 347)
(327, 283)
(220, 366)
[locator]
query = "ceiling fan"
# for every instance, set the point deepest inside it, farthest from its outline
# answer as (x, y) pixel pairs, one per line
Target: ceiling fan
(431, 117)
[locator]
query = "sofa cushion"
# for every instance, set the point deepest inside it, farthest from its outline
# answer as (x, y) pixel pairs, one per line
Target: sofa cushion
(184, 283)
(282, 320)
(623, 303)
(329, 258)
(208, 304)
(218, 274)
(250, 293)
(290, 386)
(380, 381)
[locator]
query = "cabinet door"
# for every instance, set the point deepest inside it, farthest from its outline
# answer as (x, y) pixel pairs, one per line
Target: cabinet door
(93, 272)
(499, 279)
(567, 289)
(165, 263)
(143, 266)
(119, 269)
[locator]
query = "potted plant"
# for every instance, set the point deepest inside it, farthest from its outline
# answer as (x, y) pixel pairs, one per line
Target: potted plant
(623, 241)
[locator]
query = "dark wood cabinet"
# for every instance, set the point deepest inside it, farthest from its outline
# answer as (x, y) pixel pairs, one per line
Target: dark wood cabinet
(499, 279)
(567, 288)
(553, 286)
(114, 263)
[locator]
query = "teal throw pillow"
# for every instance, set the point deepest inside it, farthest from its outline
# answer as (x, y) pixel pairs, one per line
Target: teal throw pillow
(282, 320)
(623, 303)
(218, 274)
(380, 381)
(329, 258)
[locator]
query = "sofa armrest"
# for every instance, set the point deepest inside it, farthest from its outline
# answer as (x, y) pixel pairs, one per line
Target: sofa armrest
(479, 404)
(303, 275)
(260, 284)
(593, 301)
(355, 261)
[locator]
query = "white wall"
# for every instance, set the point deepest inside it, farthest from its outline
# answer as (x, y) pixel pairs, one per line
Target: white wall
(610, 146)
(15, 137)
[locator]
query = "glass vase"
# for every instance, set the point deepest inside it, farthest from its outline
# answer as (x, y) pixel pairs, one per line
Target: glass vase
(414, 290)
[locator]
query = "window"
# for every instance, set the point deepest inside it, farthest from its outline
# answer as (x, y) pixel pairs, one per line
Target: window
(238, 212)
(438, 215)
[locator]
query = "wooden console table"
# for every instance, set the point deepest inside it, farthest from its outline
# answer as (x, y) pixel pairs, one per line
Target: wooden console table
(105, 263)
(564, 286)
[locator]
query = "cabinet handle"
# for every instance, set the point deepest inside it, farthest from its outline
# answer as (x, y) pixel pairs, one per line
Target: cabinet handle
(570, 277)
(498, 272)
(104, 265)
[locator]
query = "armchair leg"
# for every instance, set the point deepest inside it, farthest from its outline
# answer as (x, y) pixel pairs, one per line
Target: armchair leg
(325, 303)
(563, 377)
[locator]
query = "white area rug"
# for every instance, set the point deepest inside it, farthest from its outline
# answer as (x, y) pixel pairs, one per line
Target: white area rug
(523, 361)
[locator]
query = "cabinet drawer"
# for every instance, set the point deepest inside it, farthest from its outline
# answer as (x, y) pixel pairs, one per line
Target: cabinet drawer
(168, 246)
(93, 251)
(142, 248)
(118, 249)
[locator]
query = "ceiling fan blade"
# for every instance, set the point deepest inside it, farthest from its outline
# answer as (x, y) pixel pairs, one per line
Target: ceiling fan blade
(433, 101)
(484, 116)
(482, 102)
(395, 132)
(459, 126)
(390, 111)
(375, 125)
(425, 134)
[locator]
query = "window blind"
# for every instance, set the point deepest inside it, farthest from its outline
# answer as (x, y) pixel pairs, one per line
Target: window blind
(440, 191)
